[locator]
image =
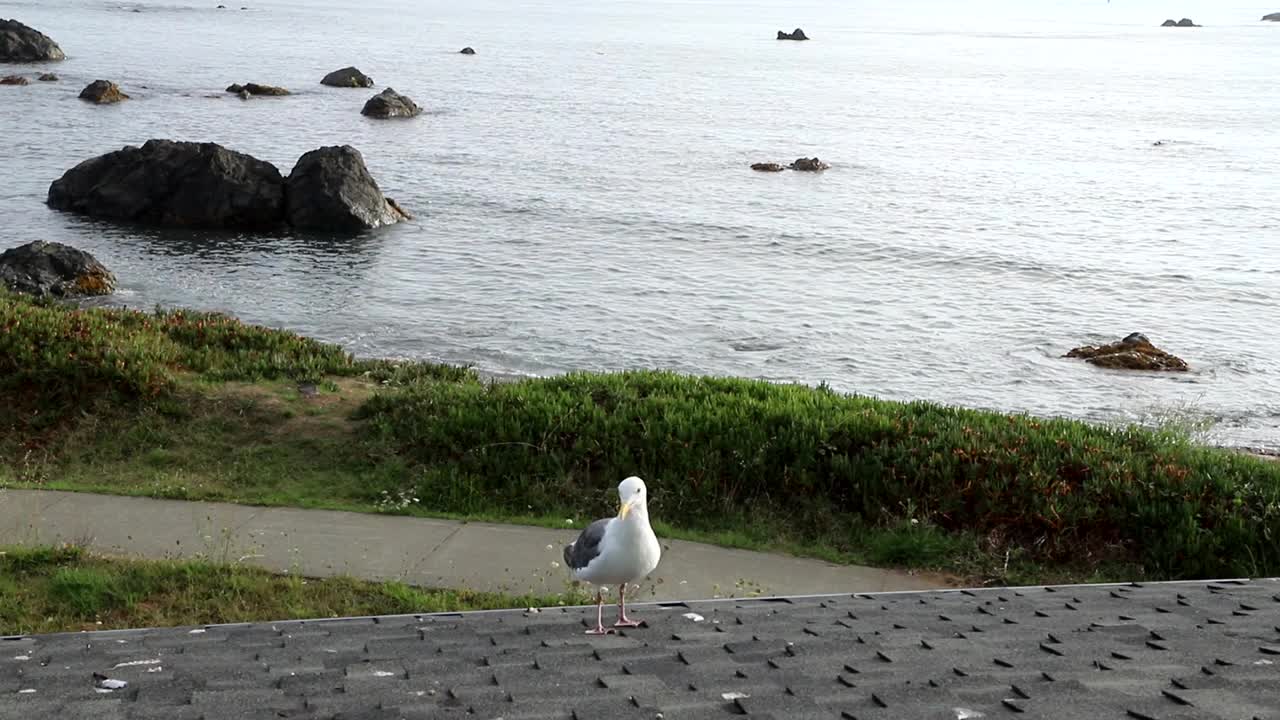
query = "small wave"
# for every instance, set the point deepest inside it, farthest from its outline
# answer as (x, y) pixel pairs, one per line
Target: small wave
(755, 344)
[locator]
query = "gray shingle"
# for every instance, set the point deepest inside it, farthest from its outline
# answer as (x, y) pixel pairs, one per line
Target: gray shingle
(1167, 651)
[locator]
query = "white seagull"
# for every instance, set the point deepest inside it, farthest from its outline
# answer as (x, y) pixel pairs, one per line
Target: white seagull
(616, 551)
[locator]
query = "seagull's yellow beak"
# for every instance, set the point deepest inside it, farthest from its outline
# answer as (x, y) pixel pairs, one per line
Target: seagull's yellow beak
(626, 508)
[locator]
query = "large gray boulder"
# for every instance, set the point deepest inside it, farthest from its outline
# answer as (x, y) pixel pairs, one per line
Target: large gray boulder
(183, 184)
(19, 43)
(347, 77)
(390, 104)
(45, 268)
(331, 189)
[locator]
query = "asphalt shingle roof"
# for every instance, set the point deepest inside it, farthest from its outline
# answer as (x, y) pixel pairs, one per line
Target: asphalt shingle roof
(1173, 651)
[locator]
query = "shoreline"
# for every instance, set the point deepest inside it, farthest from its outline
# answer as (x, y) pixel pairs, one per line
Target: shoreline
(1271, 453)
(200, 406)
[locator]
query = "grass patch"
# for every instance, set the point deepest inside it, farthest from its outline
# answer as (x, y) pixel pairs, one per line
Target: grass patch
(48, 589)
(186, 405)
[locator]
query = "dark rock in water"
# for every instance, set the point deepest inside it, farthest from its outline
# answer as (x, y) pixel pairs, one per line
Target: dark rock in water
(1273, 17)
(331, 189)
(347, 77)
(1184, 22)
(19, 43)
(1134, 352)
(798, 34)
(767, 167)
(182, 184)
(467, 51)
(390, 104)
(395, 207)
(222, 7)
(102, 92)
(1169, 23)
(45, 268)
(14, 80)
(256, 89)
(809, 165)
(48, 77)
(1135, 338)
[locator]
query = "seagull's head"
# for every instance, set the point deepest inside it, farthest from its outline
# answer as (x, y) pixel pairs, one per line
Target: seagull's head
(632, 495)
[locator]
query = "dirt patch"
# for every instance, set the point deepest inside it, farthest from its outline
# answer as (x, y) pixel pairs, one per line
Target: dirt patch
(283, 409)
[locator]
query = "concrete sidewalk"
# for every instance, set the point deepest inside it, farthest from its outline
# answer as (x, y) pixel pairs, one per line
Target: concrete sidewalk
(424, 552)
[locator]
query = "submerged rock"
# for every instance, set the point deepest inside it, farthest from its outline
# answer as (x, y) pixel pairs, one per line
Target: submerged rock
(1273, 17)
(331, 189)
(182, 184)
(256, 89)
(1184, 22)
(797, 34)
(347, 77)
(19, 43)
(1134, 352)
(390, 104)
(767, 167)
(48, 77)
(102, 92)
(467, 51)
(809, 165)
(14, 80)
(45, 268)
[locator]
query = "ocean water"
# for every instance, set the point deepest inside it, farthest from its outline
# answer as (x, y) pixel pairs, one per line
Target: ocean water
(584, 201)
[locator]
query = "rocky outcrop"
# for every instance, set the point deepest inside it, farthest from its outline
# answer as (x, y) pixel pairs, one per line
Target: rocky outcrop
(467, 51)
(182, 184)
(47, 77)
(347, 77)
(1273, 17)
(1134, 352)
(14, 80)
(256, 89)
(19, 43)
(390, 104)
(1184, 22)
(102, 92)
(45, 268)
(767, 167)
(809, 165)
(797, 34)
(203, 185)
(331, 189)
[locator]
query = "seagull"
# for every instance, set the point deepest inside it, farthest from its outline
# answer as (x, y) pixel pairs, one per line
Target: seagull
(616, 551)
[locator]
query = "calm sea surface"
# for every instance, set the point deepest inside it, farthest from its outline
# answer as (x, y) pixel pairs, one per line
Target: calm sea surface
(583, 199)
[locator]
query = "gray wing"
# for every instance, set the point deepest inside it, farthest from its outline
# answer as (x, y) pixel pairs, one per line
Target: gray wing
(581, 551)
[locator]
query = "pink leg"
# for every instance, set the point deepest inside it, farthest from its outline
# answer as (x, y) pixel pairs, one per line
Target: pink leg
(599, 629)
(623, 620)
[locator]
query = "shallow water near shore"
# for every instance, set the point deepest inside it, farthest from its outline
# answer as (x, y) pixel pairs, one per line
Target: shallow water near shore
(583, 197)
